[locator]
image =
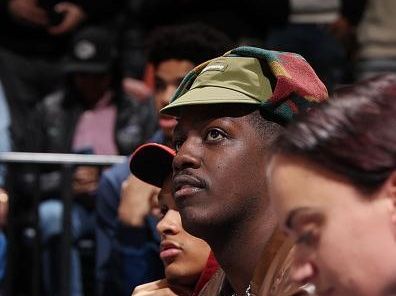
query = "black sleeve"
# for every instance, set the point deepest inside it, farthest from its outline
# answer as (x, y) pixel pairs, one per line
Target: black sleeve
(353, 10)
(100, 10)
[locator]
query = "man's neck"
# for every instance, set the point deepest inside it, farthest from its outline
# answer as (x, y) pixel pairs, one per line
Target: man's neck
(239, 253)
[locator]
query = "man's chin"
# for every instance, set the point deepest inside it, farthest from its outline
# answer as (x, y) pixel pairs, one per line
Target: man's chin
(196, 222)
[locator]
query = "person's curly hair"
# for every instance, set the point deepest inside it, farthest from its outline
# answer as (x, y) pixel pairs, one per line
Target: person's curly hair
(194, 42)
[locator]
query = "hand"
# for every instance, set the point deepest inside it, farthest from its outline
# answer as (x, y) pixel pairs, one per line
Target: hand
(85, 179)
(29, 12)
(160, 288)
(136, 89)
(136, 201)
(73, 16)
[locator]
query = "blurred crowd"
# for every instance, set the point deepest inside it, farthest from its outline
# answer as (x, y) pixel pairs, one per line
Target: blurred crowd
(89, 77)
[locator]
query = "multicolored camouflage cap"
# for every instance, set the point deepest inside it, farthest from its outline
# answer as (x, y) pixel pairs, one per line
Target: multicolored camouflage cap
(280, 83)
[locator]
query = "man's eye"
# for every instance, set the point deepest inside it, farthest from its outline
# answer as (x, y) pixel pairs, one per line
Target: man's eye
(177, 145)
(214, 135)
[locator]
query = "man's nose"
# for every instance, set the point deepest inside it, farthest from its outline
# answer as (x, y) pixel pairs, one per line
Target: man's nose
(169, 225)
(188, 154)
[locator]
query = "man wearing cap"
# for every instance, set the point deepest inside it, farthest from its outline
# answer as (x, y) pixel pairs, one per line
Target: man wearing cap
(132, 253)
(188, 262)
(229, 110)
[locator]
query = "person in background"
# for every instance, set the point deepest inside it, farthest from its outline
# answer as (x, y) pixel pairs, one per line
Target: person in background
(322, 32)
(34, 37)
(243, 24)
(5, 146)
(187, 259)
(376, 52)
(125, 230)
(229, 110)
(332, 179)
(88, 115)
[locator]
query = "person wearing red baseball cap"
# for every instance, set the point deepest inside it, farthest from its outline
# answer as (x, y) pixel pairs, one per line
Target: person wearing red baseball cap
(187, 259)
(123, 217)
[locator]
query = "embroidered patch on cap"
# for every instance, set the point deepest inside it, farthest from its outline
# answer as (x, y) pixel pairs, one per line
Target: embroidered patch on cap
(214, 67)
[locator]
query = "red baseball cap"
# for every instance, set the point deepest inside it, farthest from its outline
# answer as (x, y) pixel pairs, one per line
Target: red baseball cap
(152, 163)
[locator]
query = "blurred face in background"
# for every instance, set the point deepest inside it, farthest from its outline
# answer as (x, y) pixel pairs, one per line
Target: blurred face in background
(168, 75)
(345, 239)
(91, 86)
(184, 255)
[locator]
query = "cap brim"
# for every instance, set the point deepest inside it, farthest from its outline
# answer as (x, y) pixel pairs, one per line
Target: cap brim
(152, 163)
(208, 95)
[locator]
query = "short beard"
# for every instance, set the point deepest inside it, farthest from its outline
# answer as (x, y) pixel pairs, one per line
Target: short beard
(226, 226)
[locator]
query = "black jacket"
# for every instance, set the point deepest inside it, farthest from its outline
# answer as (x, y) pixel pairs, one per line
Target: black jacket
(52, 129)
(56, 119)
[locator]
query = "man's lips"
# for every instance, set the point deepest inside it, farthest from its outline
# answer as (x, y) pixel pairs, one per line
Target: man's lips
(186, 184)
(169, 251)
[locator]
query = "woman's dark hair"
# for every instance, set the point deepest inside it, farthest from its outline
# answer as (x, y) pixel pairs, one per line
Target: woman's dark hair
(194, 42)
(353, 134)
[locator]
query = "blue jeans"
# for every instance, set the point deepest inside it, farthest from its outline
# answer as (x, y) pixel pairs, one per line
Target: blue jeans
(51, 218)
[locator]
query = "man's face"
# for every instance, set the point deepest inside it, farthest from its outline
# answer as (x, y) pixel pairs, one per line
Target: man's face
(92, 86)
(184, 255)
(168, 76)
(219, 169)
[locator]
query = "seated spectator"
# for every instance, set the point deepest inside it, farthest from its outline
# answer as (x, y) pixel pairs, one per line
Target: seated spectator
(376, 39)
(241, 23)
(332, 181)
(187, 259)
(88, 115)
(229, 109)
(172, 51)
(5, 146)
(320, 31)
(34, 35)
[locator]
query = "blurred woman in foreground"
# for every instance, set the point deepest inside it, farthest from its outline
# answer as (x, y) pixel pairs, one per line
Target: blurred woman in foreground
(333, 183)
